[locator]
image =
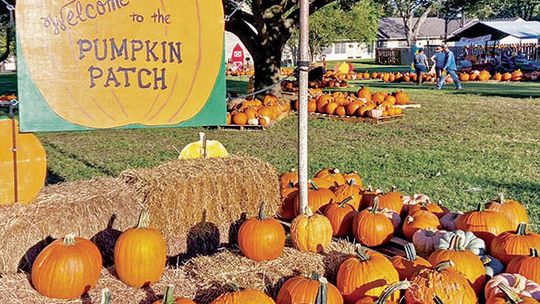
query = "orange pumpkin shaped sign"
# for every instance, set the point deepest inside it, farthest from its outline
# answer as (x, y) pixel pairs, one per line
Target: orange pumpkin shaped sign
(23, 171)
(118, 63)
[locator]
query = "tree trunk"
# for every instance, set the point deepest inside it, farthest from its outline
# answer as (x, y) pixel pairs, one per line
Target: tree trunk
(268, 67)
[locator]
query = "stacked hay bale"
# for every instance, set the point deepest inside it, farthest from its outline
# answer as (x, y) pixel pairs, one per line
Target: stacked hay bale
(202, 278)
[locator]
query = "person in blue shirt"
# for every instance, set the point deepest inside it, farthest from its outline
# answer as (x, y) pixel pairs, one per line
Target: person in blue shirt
(438, 61)
(451, 68)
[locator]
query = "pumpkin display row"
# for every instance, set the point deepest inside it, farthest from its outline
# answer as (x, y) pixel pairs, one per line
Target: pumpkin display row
(360, 104)
(257, 112)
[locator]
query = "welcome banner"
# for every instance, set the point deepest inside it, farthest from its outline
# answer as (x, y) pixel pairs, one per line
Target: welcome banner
(96, 64)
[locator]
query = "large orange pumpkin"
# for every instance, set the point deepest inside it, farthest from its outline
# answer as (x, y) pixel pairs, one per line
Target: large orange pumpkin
(385, 296)
(420, 220)
(311, 232)
(366, 275)
(352, 190)
(466, 262)
(392, 200)
(67, 269)
(527, 266)
(332, 175)
(308, 290)
(485, 224)
(442, 281)
(169, 298)
(246, 296)
(410, 264)
(341, 216)
(372, 228)
(510, 244)
(317, 198)
(513, 210)
(261, 238)
(140, 254)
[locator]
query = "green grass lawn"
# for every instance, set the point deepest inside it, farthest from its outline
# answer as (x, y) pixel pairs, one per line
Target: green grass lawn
(461, 147)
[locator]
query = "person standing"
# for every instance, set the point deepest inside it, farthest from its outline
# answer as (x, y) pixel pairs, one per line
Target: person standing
(420, 65)
(438, 62)
(451, 68)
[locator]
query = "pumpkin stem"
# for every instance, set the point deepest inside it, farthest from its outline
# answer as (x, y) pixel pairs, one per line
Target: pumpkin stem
(375, 207)
(390, 290)
(307, 211)
(262, 212)
(501, 198)
(351, 182)
(169, 295)
(454, 243)
(409, 219)
(480, 207)
(343, 202)
(313, 185)
(534, 252)
(69, 240)
(292, 170)
(362, 253)
(509, 293)
(438, 300)
(232, 287)
(144, 219)
(106, 296)
(522, 229)
(315, 276)
(394, 188)
(334, 171)
(486, 260)
(444, 265)
(370, 188)
(410, 252)
(322, 294)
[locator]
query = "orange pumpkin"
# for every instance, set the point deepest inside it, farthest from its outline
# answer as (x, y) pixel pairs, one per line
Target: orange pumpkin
(466, 262)
(392, 200)
(67, 269)
(410, 264)
(420, 220)
(511, 244)
(514, 211)
(261, 238)
(352, 108)
(434, 208)
(169, 298)
(308, 290)
(510, 296)
(364, 93)
(136, 265)
(367, 274)
(402, 98)
(388, 292)
(353, 175)
(246, 296)
(431, 282)
(368, 196)
(332, 175)
(288, 198)
(340, 111)
(287, 178)
(317, 198)
(527, 266)
(373, 228)
(352, 190)
(341, 216)
(485, 224)
(240, 119)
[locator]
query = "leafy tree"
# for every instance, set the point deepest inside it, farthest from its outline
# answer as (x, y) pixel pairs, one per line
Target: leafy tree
(265, 26)
(333, 24)
(7, 32)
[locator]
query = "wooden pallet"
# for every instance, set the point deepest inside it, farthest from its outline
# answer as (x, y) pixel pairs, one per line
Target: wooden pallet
(372, 120)
(242, 128)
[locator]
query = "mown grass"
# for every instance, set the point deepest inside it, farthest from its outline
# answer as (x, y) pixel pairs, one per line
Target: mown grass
(461, 147)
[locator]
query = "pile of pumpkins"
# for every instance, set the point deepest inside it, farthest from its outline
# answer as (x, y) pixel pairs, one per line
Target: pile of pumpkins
(240, 72)
(8, 97)
(257, 112)
(486, 254)
(363, 103)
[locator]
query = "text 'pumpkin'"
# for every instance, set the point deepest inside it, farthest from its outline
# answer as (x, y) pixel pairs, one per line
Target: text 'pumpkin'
(113, 63)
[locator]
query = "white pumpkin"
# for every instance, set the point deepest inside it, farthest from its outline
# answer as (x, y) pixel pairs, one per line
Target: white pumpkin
(427, 240)
(467, 241)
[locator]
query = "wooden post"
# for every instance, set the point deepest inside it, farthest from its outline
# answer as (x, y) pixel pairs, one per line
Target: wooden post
(303, 68)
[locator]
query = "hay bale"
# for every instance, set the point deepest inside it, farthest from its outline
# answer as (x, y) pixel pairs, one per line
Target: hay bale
(198, 204)
(202, 278)
(99, 209)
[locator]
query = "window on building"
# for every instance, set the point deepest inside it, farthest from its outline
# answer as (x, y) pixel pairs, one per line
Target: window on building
(326, 50)
(340, 48)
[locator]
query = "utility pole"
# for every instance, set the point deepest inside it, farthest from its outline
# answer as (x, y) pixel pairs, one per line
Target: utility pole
(303, 68)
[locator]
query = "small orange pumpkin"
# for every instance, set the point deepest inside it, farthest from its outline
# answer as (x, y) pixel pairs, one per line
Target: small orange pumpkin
(485, 224)
(392, 200)
(67, 268)
(332, 175)
(420, 220)
(169, 298)
(261, 238)
(410, 264)
(311, 232)
(527, 266)
(372, 228)
(341, 216)
(246, 296)
(135, 264)
(317, 198)
(511, 244)
(352, 190)
(513, 210)
(308, 290)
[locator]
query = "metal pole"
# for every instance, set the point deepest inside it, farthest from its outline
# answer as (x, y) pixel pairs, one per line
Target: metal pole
(303, 68)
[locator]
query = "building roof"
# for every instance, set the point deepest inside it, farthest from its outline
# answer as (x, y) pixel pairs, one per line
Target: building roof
(393, 28)
(499, 29)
